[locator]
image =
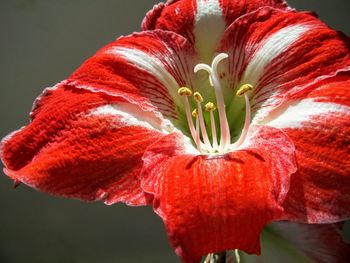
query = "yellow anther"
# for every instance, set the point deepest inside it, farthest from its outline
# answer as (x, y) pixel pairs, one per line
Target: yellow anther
(210, 106)
(184, 91)
(198, 97)
(244, 89)
(195, 113)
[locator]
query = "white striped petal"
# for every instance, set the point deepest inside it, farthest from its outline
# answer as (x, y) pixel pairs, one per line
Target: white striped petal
(151, 64)
(131, 115)
(297, 114)
(209, 28)
(272, 47)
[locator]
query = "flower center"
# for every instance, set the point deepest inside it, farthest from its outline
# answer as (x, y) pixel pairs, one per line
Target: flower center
(198, 130)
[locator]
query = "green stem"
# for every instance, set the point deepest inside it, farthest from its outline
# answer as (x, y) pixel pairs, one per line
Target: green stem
(216, 258)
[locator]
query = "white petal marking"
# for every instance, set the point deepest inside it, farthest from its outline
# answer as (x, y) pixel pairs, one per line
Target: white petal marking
(273, 46)
(151, 64)
(297, 114)
(209, 28)
(130, 115)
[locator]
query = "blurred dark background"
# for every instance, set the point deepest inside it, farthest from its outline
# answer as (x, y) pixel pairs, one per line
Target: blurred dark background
(41, 43)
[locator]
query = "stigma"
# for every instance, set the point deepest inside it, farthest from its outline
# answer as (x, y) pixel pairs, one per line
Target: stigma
(216, 143)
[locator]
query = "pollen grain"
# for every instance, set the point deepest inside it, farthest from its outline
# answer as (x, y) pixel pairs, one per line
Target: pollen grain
(184, 91)
(244, 89)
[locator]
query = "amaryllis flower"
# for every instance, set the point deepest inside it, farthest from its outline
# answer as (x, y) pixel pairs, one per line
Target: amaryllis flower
(223, 115)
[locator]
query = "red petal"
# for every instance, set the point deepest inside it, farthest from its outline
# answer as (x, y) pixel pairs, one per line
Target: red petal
(331, 90)
(321, 243)
(211, 204)
(145, 68)
(202, 22)
(282, 53)
(320, 191)
(234, 9)
(73, 148)
(180, 16)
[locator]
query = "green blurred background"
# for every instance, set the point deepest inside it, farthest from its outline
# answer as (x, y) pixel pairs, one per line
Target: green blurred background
(41, 43)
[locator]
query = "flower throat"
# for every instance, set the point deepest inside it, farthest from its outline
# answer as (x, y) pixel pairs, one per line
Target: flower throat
(198, 129)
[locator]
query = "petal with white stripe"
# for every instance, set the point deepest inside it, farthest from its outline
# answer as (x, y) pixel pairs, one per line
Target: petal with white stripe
(281, 54)
(81, 145)
(202, 22)
(145, 68)
(319, 126)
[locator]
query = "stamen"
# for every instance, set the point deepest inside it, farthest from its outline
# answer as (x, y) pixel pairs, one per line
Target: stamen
(197, 139)
(210, 107)
(243, 90)
(199, 131)
(186, 92)
(195, 113)
(199, 99)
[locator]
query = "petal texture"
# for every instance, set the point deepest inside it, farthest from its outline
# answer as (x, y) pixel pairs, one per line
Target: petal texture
(218, 203)
(78, 145)
(281, 54)
(319, 125)
(145, 68)
(202, 22)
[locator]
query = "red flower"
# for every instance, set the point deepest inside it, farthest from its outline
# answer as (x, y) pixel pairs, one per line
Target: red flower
(120, 128)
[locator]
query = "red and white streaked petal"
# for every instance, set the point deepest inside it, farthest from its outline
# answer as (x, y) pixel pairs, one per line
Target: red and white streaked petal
(150, 20)
(209, 25)
(211, 204)
(145, 68)
(202, 22)
(321, 243)
(319, 126)
(331, 90)
(299, 114)
(83, 146)
(281, 54)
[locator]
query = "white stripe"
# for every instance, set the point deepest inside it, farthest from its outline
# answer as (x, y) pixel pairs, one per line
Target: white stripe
(207, 8)
(151, 64)
(274, 46)
(130, 115)
(209, 28)
(302, 111)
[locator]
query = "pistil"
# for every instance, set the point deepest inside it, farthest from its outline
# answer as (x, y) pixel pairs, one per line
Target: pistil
(225, 137)
(199, 131)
